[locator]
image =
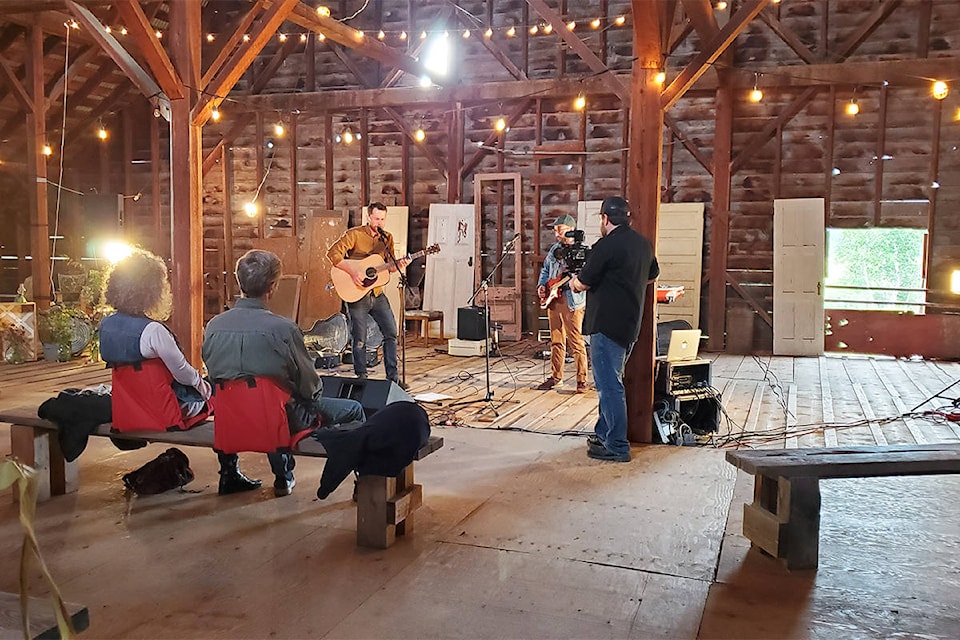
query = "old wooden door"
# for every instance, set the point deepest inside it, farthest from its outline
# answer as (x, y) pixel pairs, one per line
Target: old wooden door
(448, 282)
(798, 242)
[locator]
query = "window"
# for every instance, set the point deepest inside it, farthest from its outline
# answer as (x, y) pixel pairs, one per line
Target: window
(875, 269)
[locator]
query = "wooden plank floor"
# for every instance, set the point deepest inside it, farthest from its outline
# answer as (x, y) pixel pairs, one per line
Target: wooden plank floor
(521, 535)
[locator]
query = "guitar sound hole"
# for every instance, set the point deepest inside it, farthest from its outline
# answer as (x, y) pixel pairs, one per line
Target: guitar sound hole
(371, 274)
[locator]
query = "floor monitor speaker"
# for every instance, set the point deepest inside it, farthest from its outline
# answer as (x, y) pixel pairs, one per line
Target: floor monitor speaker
(471, 324)
(372, 394)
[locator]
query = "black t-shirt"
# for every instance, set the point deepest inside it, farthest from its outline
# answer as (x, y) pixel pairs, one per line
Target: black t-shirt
(617, 271)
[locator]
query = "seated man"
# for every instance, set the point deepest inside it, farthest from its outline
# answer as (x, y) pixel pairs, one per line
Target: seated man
(250, 340)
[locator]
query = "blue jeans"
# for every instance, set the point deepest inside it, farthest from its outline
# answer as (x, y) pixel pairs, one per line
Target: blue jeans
(361, 311)
(333, 411)
(608, 360)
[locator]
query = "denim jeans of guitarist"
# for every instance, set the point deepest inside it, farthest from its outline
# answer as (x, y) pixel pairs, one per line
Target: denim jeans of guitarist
(378, 309)
(609, 359)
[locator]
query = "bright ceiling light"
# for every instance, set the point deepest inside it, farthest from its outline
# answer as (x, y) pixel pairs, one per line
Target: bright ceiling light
(437, 60)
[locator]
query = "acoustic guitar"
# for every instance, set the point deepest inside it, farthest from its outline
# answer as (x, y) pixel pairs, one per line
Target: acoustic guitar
(376, 274)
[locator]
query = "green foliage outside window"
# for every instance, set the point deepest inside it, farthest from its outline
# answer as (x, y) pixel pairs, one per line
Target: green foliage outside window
(884, 264)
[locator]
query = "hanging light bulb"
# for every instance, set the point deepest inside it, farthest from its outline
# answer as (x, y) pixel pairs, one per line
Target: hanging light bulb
(512, 31)
(580, 103)
(323, 11)
(660, 78)
(466, 33)
(303, 37)
(853, 107)
(347, 136)
(423, 35)
(321, 37)
(619, 20)
(548, 28)
(211, 37)
(756, 95)
(102, 132)
(381, 35)
(278, 129)
(500, 124)
(940, 90)
(47, 150)
(215, 114)
(420, 135)
(721, 5)
(108, 29)
(282, 37)
(488, 33)
(250, 208)
(534, 29)
(158, 33)
(123, 31)
(571, 25)
(403, 35)
(246, 37)
(595, 23)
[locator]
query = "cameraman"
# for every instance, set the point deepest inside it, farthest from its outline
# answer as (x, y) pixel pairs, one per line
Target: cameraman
(565, 311)
(616, 275)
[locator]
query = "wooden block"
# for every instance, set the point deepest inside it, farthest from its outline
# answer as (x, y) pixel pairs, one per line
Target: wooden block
(64, 476)
(800, 510)
(372, 527)
(404, 504)
(43, 621)
(31, 447)
(762, 529)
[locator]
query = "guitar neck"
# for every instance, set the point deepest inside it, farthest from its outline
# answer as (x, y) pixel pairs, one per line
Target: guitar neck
(409, 256)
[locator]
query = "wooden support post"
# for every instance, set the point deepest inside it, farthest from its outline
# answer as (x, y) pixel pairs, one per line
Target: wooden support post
(328, 159)
(294, 187)
(160, 247)
(31, 447)
(720, 216)
(262, 215)
(37, 165)
(455, 155)
(186, 184)
(364, 159)
(784, 519)
(229, 279)
(385, 508)
(646, 151)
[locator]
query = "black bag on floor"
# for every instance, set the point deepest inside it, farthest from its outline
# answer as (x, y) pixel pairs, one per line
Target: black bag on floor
(170, 470)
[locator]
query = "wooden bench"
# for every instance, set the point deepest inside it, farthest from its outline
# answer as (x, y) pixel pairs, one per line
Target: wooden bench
(385, 505)
(43, 621)
(784, 518)
(424, 318)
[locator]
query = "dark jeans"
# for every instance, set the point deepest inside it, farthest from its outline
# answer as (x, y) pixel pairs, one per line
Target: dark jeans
(360, 312)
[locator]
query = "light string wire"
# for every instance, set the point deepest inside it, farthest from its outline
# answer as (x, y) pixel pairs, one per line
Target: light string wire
(63, 137)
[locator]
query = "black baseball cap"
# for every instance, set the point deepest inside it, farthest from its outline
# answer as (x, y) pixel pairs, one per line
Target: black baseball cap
(615, 208)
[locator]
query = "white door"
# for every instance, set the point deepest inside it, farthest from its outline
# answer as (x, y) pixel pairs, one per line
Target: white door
(588, 219)
(680, 255)
(448, 283)
(798, 243)
(396, 224)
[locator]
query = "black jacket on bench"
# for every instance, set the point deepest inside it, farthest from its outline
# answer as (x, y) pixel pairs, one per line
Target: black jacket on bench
(381, 446)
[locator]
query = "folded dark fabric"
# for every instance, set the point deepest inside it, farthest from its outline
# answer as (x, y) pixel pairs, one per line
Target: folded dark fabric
(77, 414)
(382, 446)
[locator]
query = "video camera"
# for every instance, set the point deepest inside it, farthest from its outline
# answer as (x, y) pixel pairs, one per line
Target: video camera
(573, 256)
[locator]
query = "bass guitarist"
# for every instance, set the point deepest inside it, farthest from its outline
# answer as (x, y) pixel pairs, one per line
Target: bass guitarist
(357, 243)
(564, 310)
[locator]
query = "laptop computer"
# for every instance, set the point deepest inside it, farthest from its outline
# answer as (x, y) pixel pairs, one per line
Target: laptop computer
(684, 344)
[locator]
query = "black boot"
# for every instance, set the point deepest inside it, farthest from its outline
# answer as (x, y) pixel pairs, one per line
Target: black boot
(231, 479)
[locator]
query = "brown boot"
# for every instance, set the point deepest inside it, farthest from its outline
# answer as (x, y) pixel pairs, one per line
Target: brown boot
(549, 383)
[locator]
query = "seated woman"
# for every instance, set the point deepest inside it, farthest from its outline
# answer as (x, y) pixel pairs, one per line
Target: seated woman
(134, 339)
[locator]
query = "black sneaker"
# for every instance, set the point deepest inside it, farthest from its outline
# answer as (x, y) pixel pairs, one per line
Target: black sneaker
(283, 487)
(593, 440)
(609, 456)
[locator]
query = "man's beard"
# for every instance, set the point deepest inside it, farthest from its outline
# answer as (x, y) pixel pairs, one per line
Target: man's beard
(603, 230)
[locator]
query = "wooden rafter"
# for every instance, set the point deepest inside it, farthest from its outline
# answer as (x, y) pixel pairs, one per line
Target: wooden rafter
(495, 51)
(703, 60)
(705, 162)
(142, 34)
(263, 77)
(211, 158)
(761, 137)
(677, 35)
(474, 160)
(130, 67)
(396, 73)
(228, 75)
(789, 37)
(59, 85)
(577, 45)
(668, 12)
(872, 72)
(876, 17)
(52, 23)
(236, 36)
(21, 73)
(704, 22)
(19, 92)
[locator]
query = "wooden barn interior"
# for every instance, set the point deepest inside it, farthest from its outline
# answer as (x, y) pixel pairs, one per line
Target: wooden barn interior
(794, 162)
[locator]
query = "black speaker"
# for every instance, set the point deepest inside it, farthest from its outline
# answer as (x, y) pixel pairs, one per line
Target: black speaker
(471, 324)
(372, 394)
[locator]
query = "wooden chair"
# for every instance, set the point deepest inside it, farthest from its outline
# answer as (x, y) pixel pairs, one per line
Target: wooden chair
(424, 318)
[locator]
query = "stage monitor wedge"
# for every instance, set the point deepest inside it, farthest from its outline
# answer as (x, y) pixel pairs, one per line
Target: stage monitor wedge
(373, 395)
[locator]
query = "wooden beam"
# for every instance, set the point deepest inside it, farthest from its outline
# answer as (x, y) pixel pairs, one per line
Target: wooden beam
(37, 165)
(7, 73)
(703, 60)
(574, 42)
(142, 34)
(265, 74)
(55, 91)
(160, 247)
(493, 136)
(427, 151)
(236, 36)
(668, 12)
(294, 186)
(789, 37)
(879, 153)
(872, 21)
(130, 67)
(761, 137)
(923, 28)
(364, 158)
(216, 153)
(737, 286)
(898, 73)
(700, 13)
(705, 162)
(328, 160)
(720, 217)
(455, 154)
(186, 186)
(229, 275)
(494, 49)
(225, 79)
(50, 22)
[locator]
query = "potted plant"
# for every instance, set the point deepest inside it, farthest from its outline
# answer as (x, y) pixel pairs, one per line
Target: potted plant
(14, 342)
(56, 333)
(71, 280)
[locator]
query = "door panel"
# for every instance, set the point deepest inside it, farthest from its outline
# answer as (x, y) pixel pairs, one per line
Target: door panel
(798, 256)
(448, 283)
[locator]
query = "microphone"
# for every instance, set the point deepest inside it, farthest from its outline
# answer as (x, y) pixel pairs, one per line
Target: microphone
(382, 233)
(511, 242)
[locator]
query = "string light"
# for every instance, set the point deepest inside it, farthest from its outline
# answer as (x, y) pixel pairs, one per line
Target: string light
(108, 29)
(500, 125)
(321, 37)
(940, 90)
(534, 29)
(102, 132)
(47, 150)
(215, 114)
(853, 107)
(466, 33)
(211, 37)
(619, 20)
(250, 208)
(158, 33)
(488, 33)
(571, 25)
(282, 37)
(423, 35)
(123, 31)
(660, 78)
(512, 31)
(323, 11)
(595, 23)
(721, 5)
(548, 28)
(580, 103)
(303, 37)
(403, 35)
(246, 37)
(420, 135)
(278, 129)
(381, 35)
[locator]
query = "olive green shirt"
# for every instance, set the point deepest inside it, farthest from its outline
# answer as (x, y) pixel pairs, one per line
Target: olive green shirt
(251, 340)
(357, 243)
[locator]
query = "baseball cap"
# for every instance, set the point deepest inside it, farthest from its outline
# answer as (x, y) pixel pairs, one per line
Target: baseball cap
(565, 220)
(615, 208)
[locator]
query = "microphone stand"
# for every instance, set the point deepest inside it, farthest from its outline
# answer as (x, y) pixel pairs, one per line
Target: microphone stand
(401, 333)
(484, 285)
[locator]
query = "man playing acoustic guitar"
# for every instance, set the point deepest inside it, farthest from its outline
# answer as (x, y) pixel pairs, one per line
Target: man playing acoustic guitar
(355, 244)
(564, 310)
